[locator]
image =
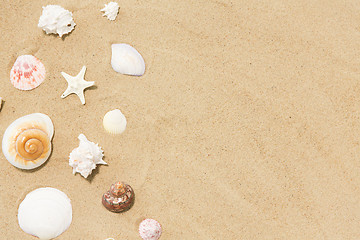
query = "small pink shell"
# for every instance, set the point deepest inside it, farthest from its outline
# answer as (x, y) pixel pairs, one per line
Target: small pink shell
(27, 73)
(150, 229)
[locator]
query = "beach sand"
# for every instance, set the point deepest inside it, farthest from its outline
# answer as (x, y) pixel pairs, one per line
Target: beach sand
(245, 124)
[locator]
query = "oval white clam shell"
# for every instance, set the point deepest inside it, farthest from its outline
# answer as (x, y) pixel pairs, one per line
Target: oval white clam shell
(45, 213)
(127, 60)
(114, 122)
(34, 119)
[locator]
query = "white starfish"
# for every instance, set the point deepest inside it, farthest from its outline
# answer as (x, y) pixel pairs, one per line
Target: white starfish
(76, 85)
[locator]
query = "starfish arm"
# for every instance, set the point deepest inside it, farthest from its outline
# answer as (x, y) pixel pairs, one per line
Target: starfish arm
(88, 84)
(67, 77)
(66, 93)
(82, 97)
(82, 73)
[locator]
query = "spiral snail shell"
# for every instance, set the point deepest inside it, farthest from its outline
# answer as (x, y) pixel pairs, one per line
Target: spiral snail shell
(119, 198)
(26, 142)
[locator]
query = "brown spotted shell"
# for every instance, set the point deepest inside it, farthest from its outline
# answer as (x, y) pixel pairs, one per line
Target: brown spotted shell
(26, 142)
(119, 198)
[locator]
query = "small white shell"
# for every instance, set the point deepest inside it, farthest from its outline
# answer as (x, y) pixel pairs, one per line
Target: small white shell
(84, 158)
(126, 60)
(150, 229)
(26, 142)
(114, 122)
(111, 10)
(45, 213)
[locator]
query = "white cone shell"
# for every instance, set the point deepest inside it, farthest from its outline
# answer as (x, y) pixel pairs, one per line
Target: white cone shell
(45, 213)
(126, 60)
(34, 119)
(114, 122)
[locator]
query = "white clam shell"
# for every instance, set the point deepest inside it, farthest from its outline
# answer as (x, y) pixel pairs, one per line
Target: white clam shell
(32, 130)
(114, 122)
(126, 60)
(45, 213)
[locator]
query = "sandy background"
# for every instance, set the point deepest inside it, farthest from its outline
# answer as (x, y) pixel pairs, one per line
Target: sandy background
(245, 125)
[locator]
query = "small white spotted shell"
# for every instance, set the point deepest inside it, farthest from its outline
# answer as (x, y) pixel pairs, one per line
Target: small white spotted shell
(26, 143)
(150, 229)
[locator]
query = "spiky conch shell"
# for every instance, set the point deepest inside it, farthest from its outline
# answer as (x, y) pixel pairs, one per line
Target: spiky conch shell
(84, 158)
(27, 73)
(26, 143)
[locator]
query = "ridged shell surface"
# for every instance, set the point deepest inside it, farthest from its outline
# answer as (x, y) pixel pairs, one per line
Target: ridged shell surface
(127, 60)
(27, 73)
(45, 213)
(26, 143)
(114, 122)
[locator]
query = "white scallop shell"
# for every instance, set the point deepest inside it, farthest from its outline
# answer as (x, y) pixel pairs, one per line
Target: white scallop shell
(45, 213)
(84, 158)
(126, 60)
(35, 127)
(114, 122)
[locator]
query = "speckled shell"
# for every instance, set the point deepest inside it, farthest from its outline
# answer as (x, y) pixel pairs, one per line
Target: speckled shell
(119, 198)
(26, 143)
(150, 229)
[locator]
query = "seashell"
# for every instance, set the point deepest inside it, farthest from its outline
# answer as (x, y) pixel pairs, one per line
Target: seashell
(150, 229)
(119, 198)
(45, 213)
(57, 20)
(111, 10)
(126, 60)
(114, 122)
(84, 158)
(0, 103)
(26, 142)
(27, 73)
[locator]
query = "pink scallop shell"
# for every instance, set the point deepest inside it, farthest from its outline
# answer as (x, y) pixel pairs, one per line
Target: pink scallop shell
(150, 229)
(27, 73)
